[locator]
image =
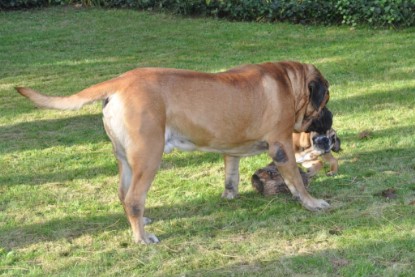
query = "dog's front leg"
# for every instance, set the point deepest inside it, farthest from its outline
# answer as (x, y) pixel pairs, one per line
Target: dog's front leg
(284, 158)
(334, 164)
(231, 177)
(312, 167)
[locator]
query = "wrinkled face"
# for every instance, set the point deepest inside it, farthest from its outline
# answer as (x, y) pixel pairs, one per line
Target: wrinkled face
(327, 142)
(322, 143)
(316, 109)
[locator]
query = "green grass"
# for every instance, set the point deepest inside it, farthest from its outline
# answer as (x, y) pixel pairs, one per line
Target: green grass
(59, 210)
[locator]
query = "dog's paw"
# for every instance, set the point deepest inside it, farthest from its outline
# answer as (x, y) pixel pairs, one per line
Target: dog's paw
(331, 173)
(229, 194)
(148, 239)
(147, 220)
(315, 204)
(152, 238)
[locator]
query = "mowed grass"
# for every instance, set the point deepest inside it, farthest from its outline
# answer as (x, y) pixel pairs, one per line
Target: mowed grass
(59, 210)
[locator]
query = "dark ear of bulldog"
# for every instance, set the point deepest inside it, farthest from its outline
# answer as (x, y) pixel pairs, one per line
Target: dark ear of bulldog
(322, 123)
(318, 89)
(336, 143)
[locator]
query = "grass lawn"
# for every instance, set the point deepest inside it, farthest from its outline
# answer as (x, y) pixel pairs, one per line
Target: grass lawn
(59, 209)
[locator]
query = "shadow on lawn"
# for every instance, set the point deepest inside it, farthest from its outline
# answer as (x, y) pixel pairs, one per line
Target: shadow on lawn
(110, 169)
(42, 134)
(73, 226)
(63, 176)
(378, 100)
(367, 258)
(69, 227)
(85, 136)
(209, 215)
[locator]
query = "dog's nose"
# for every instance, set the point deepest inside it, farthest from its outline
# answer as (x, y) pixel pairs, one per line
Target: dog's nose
(320, 140)
(325, 140)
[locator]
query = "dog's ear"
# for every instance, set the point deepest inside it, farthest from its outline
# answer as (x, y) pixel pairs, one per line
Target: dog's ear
(337, 143)
(318, 90)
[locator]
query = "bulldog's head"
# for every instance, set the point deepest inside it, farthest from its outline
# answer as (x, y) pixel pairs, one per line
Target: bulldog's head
(327, 142)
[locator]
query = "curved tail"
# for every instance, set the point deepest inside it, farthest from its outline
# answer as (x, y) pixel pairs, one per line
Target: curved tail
(72, 102)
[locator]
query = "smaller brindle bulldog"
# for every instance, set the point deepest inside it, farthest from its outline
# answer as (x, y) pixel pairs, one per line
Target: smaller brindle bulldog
(309, 147)
(268, 180)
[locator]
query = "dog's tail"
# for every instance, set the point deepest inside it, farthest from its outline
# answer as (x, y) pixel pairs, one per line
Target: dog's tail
(72, 102)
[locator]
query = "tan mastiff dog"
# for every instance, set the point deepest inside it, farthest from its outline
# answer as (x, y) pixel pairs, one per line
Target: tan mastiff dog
(240, 112)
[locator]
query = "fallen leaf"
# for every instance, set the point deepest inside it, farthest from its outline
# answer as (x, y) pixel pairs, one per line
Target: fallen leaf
(412, 203)
(339, 262)
(388, 193)
(366, 134)
(390, 172)
(336, 231)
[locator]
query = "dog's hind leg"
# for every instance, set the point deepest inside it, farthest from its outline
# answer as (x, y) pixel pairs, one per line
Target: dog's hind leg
(144, 157)
(125, 179)
(137, 133)
(231, 177)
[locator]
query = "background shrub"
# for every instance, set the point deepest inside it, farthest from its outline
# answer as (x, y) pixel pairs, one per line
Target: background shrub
(377, 12)
(350, 12)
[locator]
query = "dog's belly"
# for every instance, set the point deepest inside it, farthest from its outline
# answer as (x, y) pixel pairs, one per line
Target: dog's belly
(173, 139)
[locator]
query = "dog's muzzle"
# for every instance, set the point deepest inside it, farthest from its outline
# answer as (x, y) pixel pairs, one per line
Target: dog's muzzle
(322, 143)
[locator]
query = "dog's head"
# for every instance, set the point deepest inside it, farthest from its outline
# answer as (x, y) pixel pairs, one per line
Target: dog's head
(314, 114)
(327, 142)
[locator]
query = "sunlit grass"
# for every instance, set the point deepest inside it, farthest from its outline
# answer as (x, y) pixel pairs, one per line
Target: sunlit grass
(59, 210)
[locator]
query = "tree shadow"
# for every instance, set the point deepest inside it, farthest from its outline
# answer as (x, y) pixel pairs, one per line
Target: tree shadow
(109, 169)
(42, 134)
(376, 101)
(374, 259)
(8, 180)
(200, 217)
(210, 209)
(365, 136)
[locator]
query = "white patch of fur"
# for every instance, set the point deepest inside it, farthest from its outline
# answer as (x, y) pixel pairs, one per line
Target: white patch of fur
(114, 120)
(175, 140)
